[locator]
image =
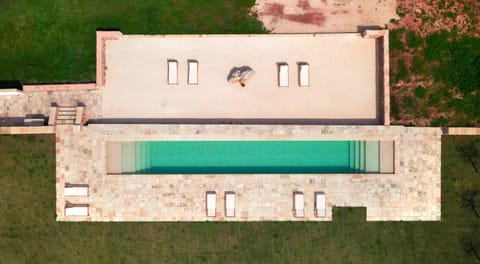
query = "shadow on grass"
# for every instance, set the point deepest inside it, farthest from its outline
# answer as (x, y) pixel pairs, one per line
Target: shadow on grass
(349, 214)
(108, 29)
(10, 84)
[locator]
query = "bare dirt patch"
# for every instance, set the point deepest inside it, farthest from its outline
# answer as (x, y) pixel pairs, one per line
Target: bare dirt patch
(308, 16)
(428, 16)
(304, 16)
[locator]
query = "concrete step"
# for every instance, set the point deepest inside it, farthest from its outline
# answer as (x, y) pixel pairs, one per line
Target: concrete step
(66, 122)
(61, 112)
(357, 155)
(65, 115)
(362, 156)
(68, 117)
(67, 108)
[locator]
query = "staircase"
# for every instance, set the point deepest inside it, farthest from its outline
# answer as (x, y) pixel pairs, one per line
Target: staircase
(136, 157)
(365, 156)
(66, 115)
(357, 156)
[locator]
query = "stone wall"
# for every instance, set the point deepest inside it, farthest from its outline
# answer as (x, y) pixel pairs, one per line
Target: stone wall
(383, 60)
(27, 130)
(102, 37)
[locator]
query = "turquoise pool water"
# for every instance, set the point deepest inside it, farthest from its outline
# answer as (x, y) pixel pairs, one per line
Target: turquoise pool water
(248, 157)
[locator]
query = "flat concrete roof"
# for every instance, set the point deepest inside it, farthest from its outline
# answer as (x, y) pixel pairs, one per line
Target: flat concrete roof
(343, 77)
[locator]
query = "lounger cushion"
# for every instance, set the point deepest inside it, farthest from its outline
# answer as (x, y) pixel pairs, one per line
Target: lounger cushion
(230, 204)
(211, 204)
(76, 210)
(303, 75)
(192, 72)
(76, 191)
(283, 75)
(172, 72)
(299, 205)
(320, 205)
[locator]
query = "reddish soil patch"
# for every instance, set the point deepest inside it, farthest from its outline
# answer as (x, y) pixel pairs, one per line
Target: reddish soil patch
(311, 15)
(274, 10)
(425, 17)
(304, 5)
(307, 18)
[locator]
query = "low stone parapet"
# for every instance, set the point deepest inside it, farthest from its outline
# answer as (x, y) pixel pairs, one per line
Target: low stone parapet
(463, 131)
(28, 130)
(13, 91)
(59, 87)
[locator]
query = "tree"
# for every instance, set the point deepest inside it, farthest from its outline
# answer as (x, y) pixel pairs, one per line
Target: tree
(469, 152)
(469, 199)
(470, 245)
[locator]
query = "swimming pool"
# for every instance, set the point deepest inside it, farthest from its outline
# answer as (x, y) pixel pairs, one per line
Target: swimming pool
(250, 157)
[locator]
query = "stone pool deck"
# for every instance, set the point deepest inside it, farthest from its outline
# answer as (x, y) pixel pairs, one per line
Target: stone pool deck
(411, 194)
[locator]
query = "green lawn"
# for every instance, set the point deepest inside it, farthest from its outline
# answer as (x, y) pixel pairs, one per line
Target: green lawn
(54, 41)
(29, 233)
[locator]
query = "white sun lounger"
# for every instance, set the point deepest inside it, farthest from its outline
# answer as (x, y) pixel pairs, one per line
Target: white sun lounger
(76, 210)
(172, 72)
(76, 190)
(192, 72)
(282, 74)
(211, 204)
(303, 74)
(229, 204)
(298, 204)
(320, 204)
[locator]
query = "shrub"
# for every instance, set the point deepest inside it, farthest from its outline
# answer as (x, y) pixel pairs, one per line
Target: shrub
(438, 122)
(400, 12)
(413, 40)
(394, 109)
(458, 60)
(418, 64)
(470, 106)
(401, 72)
(450, 15)
(395, 39)
(420, 92)
(434, 99)
(436, 45)
(410, 102)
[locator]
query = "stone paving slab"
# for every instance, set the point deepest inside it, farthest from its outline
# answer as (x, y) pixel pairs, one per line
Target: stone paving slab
(412, 193)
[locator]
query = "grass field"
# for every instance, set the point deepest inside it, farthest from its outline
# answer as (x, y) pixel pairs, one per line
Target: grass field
(54, 41)
(434, 63)
(29, 233)
(440, 83)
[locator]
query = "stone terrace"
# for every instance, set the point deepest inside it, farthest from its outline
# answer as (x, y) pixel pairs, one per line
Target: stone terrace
(13, 108)
(412, 193)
